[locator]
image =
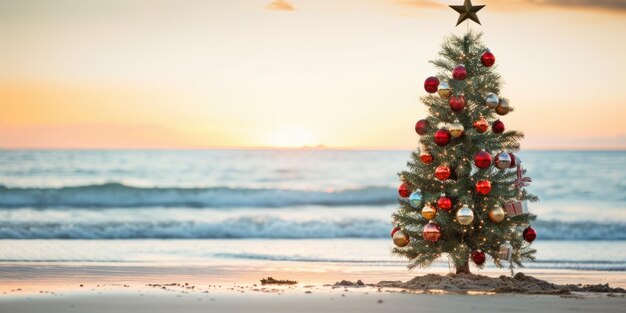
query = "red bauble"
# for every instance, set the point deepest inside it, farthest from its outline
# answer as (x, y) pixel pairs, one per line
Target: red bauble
(426, 158)
(497, 127)
(431, 232)
(488, 59)
(529, 234)
(483, 187)
(478, 257)
(394, 230)
(513, 161)
(482, 159)
(481, 125)
(431, 84)
(442, 172)
(442, 137)
(457, 103)
(421, 127)
(403, 190)
(459, 72)
(444, 203)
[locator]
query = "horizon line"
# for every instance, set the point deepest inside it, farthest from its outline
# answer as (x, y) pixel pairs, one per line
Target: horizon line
(303, 148)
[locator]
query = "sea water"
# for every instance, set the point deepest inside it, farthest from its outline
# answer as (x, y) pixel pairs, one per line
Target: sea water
(334, 205)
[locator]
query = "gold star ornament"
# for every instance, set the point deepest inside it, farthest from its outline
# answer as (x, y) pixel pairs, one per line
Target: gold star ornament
(467, 11)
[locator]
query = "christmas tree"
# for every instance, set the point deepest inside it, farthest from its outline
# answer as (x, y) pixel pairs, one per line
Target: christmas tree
(463, 193)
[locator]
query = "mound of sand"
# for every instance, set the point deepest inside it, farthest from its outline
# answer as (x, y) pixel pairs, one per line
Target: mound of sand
(520, 283)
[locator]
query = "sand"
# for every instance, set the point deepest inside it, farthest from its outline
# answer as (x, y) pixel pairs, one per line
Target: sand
(320, 287)
(520, 283)
(362, 300)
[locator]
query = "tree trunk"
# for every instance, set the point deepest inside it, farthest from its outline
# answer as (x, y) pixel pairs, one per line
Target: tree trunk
(464, 269)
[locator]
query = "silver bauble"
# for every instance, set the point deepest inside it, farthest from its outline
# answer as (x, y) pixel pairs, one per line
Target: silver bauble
(503, 160)
(465, 215)
(492, 100)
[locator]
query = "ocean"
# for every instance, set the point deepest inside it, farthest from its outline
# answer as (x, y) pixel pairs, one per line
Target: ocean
(279, 205)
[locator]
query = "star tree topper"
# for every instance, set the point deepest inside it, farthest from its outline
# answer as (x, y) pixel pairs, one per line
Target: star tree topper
(467, 11)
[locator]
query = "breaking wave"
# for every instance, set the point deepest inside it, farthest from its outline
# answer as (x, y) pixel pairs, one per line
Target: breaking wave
(116, 195)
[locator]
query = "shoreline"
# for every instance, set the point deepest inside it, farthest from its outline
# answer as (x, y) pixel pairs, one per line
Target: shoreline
(227, 271)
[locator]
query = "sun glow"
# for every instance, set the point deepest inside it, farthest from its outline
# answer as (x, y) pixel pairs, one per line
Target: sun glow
(292, 137)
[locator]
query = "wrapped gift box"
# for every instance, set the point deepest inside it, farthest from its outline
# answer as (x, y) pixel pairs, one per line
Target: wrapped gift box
(506, 252)
(515, 208)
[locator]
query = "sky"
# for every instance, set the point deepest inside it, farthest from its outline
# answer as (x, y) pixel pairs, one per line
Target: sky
(338, 73)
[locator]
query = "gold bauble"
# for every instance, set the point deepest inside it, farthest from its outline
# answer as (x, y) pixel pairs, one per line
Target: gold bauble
(444, 90)
(456, 129)
(429, 212)
(503, 108)
(496, 214)
(465, 215)
(492, 100)
(401, 239)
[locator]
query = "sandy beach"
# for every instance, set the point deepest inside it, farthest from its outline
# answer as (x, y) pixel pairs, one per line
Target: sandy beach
(236, 288)
(338, 301)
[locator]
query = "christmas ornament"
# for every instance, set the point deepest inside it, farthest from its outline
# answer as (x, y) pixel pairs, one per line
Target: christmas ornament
(478, 257)
(503, 108)
(488, 59)
(482, 159)
(444, 203)
(401, 239)
(481, 125)
(515, 208)
(513, 160)
(394, 230)
(497, 127)
(421, 127)
(431, 232)
(529, 234)
(415, 199)
(483, 187)
(459, 72)
(431, 84)
(465, 215)
(426, 157)
(503, 160)
(429, 212)
(492, 101)
(444, 90)
(442, 172)
(520, 180)
(496, 214)
(442, 137)
(403, 190)
(456, 129)
(467, 11)
(505, 253)
(457, 103)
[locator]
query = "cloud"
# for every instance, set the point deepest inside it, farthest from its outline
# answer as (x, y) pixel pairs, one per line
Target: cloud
(280, 5)
(421, 3)
(603, 4)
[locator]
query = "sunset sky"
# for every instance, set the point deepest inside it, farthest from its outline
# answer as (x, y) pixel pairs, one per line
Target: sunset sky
(342, 73)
